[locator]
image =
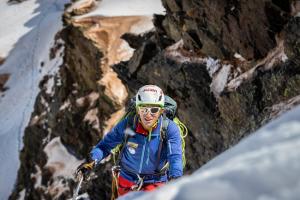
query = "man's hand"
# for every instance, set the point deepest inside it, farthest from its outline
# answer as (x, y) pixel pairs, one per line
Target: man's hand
(84, 169)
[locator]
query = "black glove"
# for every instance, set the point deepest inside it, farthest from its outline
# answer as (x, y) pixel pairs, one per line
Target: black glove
(85, 169)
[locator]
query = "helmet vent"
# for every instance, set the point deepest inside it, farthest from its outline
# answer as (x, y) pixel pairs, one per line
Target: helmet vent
(139, 98)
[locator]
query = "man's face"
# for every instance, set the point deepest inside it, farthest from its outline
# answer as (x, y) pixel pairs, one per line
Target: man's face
(149, 114)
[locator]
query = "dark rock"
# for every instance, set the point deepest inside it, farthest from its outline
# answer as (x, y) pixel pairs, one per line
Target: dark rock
(142, 56)
(172, 28)
(223, 121)
(15, 1)
(136, 41)
(161, 38)
(84, 58)
(172, 5)
(291, 37)
(3, 79)
(227, 27)
(191, 40)
(2, 60)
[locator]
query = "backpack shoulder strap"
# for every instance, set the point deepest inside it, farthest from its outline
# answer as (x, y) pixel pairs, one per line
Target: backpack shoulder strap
(163, 137)
(164, 128)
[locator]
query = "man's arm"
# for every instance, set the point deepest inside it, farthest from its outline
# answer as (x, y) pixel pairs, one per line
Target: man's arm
(174, 151)
(110, 141)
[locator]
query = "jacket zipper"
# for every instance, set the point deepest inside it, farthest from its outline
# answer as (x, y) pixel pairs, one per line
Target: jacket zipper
(143, 153)
(148, 149)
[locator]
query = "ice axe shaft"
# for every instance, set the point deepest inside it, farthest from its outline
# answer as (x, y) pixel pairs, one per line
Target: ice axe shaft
(77, 188)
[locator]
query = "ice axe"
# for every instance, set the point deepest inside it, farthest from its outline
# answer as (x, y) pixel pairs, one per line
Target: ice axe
(75, 194)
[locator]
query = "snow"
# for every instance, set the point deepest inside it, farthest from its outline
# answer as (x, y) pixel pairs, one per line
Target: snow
(37, 176)
(49, 86)
(144, 25)
(263, 166)
(212, 65)
(79, 4)
(62, 164)
(220, 80)
(12, 25)
(22, 195)
(127, 8)
(27, 33)
(60, 161)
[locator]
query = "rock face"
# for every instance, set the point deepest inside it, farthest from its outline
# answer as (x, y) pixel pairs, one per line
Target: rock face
(221, 101)
(230, 72)
(222, 28)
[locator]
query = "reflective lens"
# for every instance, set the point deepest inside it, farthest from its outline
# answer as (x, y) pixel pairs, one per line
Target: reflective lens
(152, 110)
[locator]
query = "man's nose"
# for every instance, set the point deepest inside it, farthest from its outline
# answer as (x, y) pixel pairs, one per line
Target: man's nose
(147, 114)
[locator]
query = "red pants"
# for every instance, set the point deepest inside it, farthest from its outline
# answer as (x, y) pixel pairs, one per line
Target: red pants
(125, 185)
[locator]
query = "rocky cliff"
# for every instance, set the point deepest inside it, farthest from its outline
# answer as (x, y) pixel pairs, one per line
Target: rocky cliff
(229, 70)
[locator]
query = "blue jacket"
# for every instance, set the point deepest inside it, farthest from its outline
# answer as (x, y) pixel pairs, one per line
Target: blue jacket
(141, 152)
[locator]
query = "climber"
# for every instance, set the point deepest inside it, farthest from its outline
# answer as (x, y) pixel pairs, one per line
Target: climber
(143, 158)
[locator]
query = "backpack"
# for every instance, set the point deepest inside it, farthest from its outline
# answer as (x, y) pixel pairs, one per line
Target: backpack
(170, 112)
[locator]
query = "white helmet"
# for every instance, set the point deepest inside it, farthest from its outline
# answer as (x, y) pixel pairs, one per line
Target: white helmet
(150, 94)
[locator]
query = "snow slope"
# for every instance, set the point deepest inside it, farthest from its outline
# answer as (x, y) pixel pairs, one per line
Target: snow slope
(12, 25)
(27, 32)
(127, 8)
(263, 166)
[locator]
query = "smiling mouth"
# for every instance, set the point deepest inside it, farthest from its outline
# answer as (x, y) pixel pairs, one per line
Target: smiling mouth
(148, 120)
